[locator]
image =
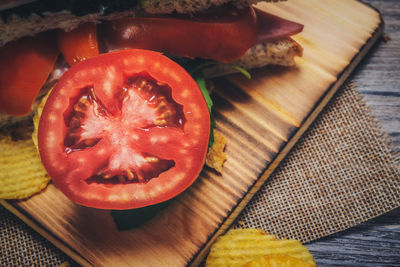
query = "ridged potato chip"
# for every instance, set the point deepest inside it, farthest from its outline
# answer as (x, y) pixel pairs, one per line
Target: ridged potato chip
(240, 246)
(21, 171)
(36, 118)
(277, 261)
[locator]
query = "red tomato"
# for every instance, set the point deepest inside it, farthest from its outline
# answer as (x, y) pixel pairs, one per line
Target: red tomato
(124, 130)
(216, 36)
(78, 44)
(24, 67)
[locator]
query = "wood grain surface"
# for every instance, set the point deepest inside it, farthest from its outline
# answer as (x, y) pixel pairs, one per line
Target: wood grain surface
(376, 242)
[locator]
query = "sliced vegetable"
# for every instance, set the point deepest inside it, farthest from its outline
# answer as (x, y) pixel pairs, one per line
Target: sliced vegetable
(224, 36)
(78, 44)
(25, 65)
(271, 27)
(124, 130)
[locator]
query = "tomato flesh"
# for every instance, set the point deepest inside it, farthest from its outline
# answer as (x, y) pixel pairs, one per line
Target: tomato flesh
(223, 38)
(143, 105)
(25, 66)
(124, 130)
(78, 44)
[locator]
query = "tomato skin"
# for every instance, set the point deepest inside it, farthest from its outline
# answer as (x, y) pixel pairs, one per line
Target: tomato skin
(186, 146)
(78, 44)
(25, 66)
(224, 39)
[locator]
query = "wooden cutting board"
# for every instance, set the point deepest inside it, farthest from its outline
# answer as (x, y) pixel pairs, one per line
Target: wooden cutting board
(262, 119)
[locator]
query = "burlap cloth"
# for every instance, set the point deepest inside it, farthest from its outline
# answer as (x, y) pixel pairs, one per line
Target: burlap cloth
(341, 173)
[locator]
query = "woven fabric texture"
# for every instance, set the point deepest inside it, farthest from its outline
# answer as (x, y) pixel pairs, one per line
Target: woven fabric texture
(340, 173)
(22, 246)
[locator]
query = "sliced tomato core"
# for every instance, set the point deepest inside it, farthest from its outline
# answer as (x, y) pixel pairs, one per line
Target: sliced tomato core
(144, 104)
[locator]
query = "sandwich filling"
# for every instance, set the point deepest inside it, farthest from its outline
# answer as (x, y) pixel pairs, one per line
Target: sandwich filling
(224, 34)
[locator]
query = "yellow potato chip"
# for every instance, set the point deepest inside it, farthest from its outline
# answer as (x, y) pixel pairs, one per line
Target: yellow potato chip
(277, 261)
(36, 118)
(240, 246)
(216, 155)
(249, 233)
(64, 264)
(21, 171)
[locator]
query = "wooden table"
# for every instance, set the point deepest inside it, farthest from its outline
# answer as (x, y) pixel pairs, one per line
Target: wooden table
(376, 242)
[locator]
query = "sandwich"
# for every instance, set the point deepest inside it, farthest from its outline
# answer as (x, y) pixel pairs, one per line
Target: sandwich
(144, 64)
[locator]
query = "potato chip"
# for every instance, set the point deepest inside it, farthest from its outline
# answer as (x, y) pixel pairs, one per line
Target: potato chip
(277, 261)
(36, 118)
(21, 171)
(240, 246)
(216, 155)
(64, 264)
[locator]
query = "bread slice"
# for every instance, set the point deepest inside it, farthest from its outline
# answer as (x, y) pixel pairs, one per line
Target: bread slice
(42, 15)
(190, 6)
(280, 52)
(15, 26)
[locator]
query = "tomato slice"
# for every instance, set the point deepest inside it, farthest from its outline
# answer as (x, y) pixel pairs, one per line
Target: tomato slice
(78, 44)
(25, 66)
(124, 130)
(223, 36)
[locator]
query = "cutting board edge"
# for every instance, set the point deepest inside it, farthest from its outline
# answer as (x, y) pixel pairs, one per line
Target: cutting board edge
(341, 78)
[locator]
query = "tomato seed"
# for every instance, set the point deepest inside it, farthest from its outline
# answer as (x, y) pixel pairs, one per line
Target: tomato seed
(166, 115)
(130, 175)
(152, 159)
(145, 85)
(161, 122)
(161, 106)
(107, 176)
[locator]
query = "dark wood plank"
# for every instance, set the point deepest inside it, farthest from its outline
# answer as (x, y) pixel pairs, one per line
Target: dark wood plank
(378, 76)
(376, 242)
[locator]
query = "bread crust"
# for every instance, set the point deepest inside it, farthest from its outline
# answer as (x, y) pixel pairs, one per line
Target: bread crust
(17, 27)
(14, 26)
(190, 6)
(280, 52)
